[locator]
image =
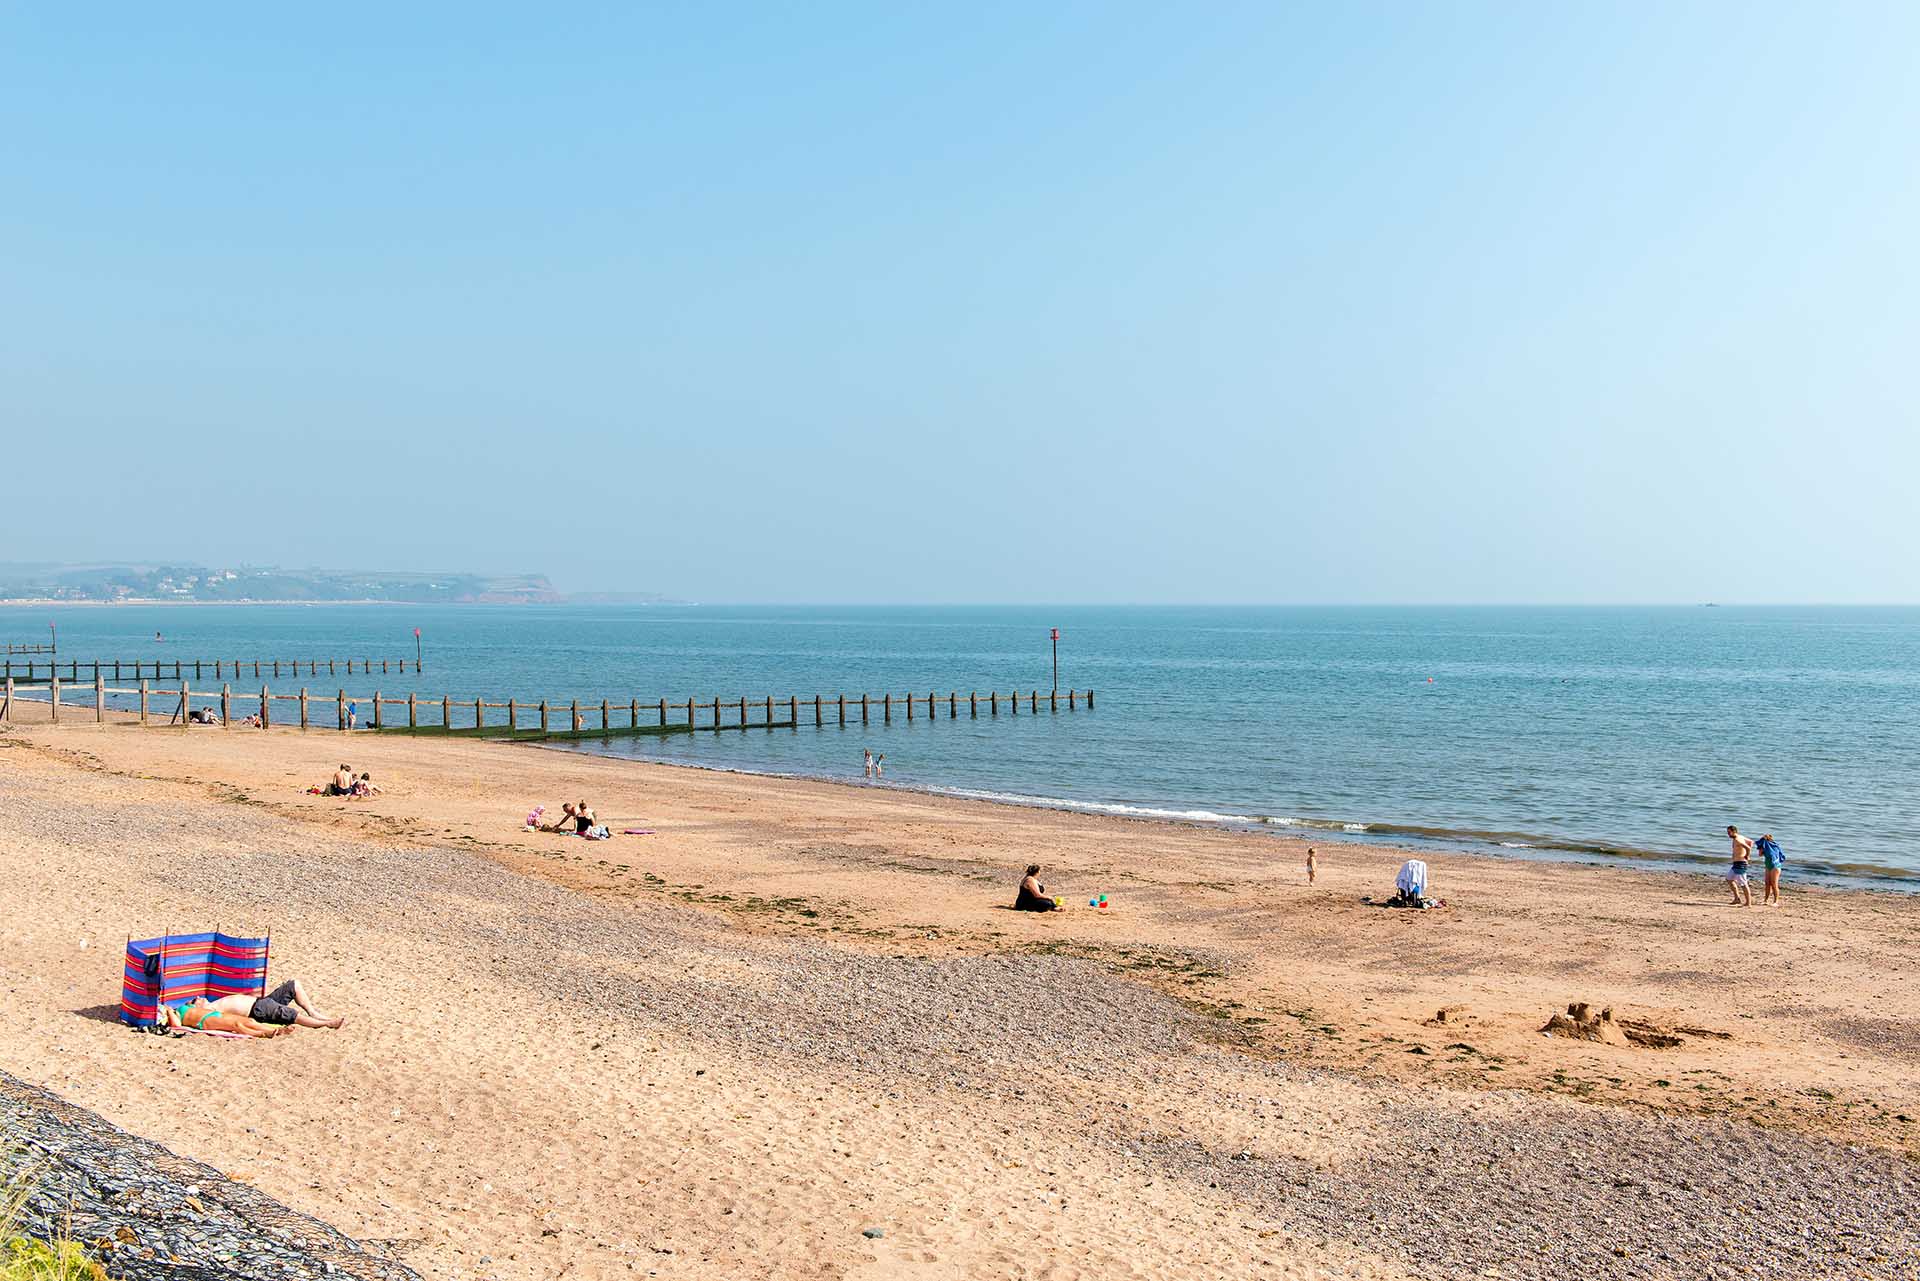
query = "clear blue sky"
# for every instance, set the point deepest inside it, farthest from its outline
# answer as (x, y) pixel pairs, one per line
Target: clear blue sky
(997, 302)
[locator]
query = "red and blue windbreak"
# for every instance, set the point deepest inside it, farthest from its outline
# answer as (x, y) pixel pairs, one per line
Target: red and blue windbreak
(179, 967)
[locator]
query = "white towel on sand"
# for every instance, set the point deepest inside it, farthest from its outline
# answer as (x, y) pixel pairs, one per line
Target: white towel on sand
(1412, 879)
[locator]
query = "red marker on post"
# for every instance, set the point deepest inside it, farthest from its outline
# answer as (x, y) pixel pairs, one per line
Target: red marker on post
(416, 651)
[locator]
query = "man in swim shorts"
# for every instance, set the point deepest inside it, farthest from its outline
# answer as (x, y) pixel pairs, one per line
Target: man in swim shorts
(285, 1005)
(1737, 869)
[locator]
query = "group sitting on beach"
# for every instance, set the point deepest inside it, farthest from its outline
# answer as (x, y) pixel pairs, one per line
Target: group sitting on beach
(275, 1014)
(575, 816)
(346, 783)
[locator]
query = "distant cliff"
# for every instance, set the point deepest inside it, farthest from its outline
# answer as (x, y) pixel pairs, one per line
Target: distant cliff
(151, 582)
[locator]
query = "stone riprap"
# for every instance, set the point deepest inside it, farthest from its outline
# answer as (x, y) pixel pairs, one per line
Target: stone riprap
(148, 1214)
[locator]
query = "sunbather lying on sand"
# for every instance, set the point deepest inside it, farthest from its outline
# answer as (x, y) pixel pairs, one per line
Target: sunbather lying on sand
(284, 1008)
(199, 1015)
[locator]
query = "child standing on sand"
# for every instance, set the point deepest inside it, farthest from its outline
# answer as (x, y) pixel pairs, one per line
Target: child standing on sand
(1312, 864)
(1773, 858)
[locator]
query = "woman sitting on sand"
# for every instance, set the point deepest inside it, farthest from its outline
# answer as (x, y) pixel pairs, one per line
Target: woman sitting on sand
(200, 1015)
(1033, 895)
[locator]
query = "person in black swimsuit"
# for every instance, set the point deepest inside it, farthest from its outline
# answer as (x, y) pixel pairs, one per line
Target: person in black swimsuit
(583, 819)
(1033, 895)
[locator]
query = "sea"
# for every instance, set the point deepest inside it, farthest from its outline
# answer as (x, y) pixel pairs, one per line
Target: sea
(1623, 734)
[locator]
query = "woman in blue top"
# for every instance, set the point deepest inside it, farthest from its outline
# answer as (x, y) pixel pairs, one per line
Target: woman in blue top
(1774, 859)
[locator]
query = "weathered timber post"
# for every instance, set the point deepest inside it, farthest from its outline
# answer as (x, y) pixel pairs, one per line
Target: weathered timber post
(769, 711)
(576, 715)
(1013, 702)
(413, 713)
(793, 712)
(1033, 701)
(1070, 698)
(603, 715)
(543, 716)
(973, 703)
(816, 712)
(993, 702)
(843, 709)
(716, 713)
(186, 705)
(930, 714)
(377, 724)
(886, 709)
(99, 698)
(513, 715)
(330, 670)
(863, 709)
(266, 712)
(479, 716)
(143, 699)
(909, 706)
(663, 713)
(743, 711)
(276, 669)
(6, 708)
(633, 714)
(1054, 701)
(303, 707)
(383, 667)
(217, 665)
(953, 704)
(1089, 700)
(226, 706)
(340, 708)
(693, 715)
(116, 671)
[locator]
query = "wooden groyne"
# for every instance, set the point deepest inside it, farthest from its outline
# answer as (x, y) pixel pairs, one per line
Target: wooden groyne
(95, 669)
(528, 719)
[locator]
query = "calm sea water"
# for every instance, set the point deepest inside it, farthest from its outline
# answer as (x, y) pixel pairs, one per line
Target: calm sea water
(1621, 733)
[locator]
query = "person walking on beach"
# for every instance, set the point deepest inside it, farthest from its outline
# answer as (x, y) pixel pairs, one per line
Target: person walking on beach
(1773, 858)
(1312, 864)
(1737, 869)
(353, 715)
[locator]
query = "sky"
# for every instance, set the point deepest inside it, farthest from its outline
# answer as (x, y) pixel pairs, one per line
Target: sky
(1394, 303)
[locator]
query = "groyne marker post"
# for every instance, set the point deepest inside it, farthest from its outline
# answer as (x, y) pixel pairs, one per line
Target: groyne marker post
(543, 716)
(99, 698)
(143, 699)
(340, 706)
(53, 693)
(377, 723)
(266, 716)
(303, 707)
(226, 706)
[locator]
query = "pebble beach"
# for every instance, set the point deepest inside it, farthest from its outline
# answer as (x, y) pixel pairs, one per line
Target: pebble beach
(795, 1032)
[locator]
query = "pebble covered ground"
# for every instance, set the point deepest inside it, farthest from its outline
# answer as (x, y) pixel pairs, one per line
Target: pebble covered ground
(150, 1215)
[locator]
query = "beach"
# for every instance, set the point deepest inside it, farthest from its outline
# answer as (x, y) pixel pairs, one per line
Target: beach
(797, 1012)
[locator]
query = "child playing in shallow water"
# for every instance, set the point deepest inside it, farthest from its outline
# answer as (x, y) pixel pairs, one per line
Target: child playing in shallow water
(1312, 863)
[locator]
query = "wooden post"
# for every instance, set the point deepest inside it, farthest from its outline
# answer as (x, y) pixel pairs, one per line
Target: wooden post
(793, 712)
(930, 712)
(1013, 702)
(513, 715)
(377, 722)
(479, 715)
(576, 716)
(769, 711)
(973, 703)
(1070, 695)
(383, 667)
(843, 709)
(1033, 700)
(886, 708)
(413, 716)
(266, 710)
(603, 714)
(909, 706)
(816, 711)
(863, 709)
(633, 714)
(330, 670)
(993, 703)
(196, 669)
(953, 704)
(1089, 700)
(143, 699)
(446, 711)
(693, 715)
(53, 692)
(216, 669)
(99, 698)
(6, 708)
(303, 707)
(186, 705)
(716, 713)
(116, 671)
(276, 669)
(226, 706)
(743, 711)
(663, 713)
(543, 716)
(1054, 701)
(340, 705)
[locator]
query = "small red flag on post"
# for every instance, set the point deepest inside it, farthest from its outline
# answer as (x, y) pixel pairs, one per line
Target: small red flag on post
(416, 633)
(1056, 633)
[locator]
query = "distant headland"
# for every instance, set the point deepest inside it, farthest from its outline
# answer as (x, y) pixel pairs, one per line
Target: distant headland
(148, 583)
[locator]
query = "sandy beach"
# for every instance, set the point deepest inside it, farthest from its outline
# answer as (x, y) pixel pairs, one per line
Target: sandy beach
(797, 1012)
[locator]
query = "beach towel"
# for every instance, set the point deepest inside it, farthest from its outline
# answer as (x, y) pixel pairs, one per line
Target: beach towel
(179, 967)
(1412, 878)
